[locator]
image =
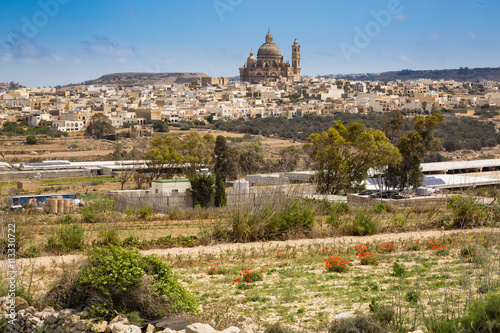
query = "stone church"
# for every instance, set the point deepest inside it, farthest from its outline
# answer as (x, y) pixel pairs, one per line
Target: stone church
(269, 64)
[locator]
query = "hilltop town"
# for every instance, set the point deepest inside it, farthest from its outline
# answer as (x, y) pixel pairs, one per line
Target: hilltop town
(211, 99)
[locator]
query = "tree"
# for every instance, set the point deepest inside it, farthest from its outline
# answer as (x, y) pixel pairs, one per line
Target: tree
(163, 156)
(100, 126)
(220, 199)
(210, 119)
(392, 128)
(202, 188)
(160, 126)
(250, 158)
(225, 159)
(169, 153)
(289, 158)
(31, 140)
(414, 146)
(424, 106)
(343, 155)
(197, 151)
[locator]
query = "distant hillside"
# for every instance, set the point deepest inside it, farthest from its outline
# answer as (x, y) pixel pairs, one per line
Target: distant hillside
(461, 74)
(139, 79)
(10, 86)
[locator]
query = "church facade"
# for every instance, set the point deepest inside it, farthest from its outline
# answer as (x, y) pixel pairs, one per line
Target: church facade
(269, 64)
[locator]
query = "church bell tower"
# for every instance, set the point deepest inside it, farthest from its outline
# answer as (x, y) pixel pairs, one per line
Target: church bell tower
(296, 60)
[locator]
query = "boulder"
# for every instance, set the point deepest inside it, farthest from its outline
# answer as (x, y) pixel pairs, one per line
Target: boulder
(99, 327)
(200, 328)
(21, 304)
(343, 316)
(232, 329)
(175, 324)
(150, 328)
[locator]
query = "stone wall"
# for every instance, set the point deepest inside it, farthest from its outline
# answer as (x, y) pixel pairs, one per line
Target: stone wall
(27, 319)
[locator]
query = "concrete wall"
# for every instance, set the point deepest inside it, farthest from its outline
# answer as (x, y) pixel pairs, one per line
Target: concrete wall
(415, 203)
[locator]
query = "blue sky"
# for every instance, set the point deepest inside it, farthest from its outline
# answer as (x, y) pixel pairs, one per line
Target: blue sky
(50, 42)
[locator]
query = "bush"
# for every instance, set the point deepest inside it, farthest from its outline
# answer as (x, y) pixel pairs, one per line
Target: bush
(363, 225)
(202, 189)
(144, 212)
(468, 214)
(109, 236)
(381, 312)
(92, 212)
(398, 270)
(336, 210)
(31, 140)
(380, 208)
(483, 315)
(270, 221)
(114, 279)
(360, 323)
(67, 238)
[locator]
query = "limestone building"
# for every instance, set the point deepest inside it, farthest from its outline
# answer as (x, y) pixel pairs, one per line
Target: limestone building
(269, 64)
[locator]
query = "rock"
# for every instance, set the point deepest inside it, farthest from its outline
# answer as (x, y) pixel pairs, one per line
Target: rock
(51, 318)
(200, 328)
(81, 325)
(124, 328)
(150, 328)
(99, 327)
(168, 330)
(134, 329)
(232, 329)
(21, 304)
(118, 327)
(63, 314)
(175, 324)
(343, 316)
(119, 318)
(248, 326)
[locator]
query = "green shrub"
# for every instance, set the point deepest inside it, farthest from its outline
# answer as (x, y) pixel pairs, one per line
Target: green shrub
(67, 238)
(381, 312)
(270, 221)
(202, 187)
(294, 217)
(380, 208)
(363, 225)
(109, 236)
(412, 297)
(398, 270)
(336, 210)
(467, 213)
(129, 211)
(92, 212)
(31, 140)
(144, 212)
(360, 323)
(483, 315)
(115, 279)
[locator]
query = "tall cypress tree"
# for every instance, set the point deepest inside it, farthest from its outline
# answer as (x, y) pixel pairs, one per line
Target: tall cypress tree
(220, 199)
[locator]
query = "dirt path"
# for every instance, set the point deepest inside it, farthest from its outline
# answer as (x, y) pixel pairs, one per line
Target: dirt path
(59, 261)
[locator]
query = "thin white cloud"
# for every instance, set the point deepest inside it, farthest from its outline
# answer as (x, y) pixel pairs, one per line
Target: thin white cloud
(19, 47)
(405, 59)
(472, 35)
(104, 47)
(401, 17)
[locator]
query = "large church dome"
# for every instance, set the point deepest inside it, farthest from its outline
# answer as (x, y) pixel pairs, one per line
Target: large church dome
(269, 50)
